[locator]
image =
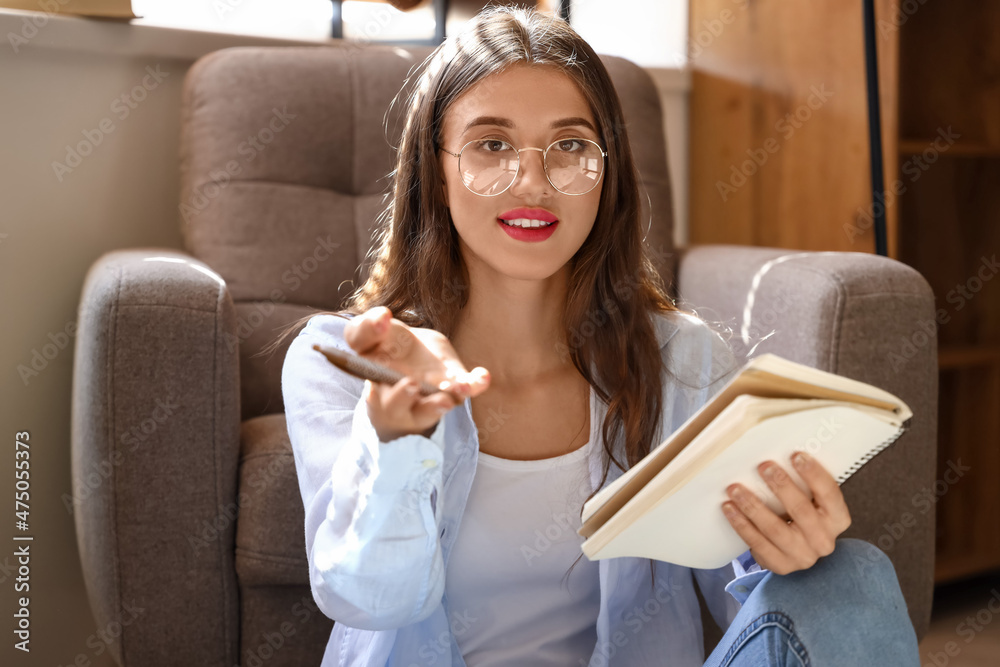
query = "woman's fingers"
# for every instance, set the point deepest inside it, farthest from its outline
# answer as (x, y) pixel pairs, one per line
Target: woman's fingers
(432, 407)
(402, 404)
(769, 537)
(480, 380)
(766, 554)
(786, 546)
(477, 380)
(421, 355)
(366, 331)
(809, 526)
(392, 405)
(829, 499)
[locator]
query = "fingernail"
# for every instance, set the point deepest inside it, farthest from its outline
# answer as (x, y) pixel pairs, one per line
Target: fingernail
(411, 389)
(442, 409)
(800, 459)
(768, 472)
(729, 509)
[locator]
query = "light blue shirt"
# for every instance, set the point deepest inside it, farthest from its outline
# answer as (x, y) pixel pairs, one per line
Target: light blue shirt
(381, 519)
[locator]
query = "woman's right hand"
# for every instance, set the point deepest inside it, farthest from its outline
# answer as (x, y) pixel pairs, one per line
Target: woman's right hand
(419, 354)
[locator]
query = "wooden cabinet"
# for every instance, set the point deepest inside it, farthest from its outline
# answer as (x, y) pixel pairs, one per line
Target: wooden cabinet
(779, 157)
(948, 148)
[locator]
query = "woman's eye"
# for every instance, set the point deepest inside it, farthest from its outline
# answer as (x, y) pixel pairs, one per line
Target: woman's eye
(493, 145)
(569, 145)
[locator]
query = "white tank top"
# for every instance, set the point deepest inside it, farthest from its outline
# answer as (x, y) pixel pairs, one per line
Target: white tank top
(509, 599)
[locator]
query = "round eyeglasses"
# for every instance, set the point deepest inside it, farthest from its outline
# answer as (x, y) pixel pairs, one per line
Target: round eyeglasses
(489, 166)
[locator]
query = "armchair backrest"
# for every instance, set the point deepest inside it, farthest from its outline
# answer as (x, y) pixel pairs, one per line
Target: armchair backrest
(285, 156)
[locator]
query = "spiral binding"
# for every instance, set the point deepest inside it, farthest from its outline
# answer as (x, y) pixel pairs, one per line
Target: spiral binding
(873, 452)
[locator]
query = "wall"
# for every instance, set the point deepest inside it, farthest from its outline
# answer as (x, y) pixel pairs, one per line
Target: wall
(64, 88)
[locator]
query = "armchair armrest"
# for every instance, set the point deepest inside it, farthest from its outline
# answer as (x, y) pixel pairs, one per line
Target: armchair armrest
(155, 449)
(861, 316)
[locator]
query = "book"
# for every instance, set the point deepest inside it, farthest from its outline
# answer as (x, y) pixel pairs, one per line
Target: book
(669, 505)
(120, 9)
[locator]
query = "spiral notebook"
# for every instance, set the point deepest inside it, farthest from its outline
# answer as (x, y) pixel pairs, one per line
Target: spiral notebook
(669, 505)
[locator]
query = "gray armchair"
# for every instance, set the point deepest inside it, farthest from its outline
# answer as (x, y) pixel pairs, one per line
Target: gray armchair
(194, 514)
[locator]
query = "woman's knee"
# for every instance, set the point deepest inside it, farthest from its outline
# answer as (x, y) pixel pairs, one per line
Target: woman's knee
(856, 573)
(862, 559)
(860, 572)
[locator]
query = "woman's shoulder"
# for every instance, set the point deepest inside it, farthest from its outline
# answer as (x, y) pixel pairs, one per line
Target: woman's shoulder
(307, 379)
(694, 349)
(326, 329)
(327, 325)
(672, 322)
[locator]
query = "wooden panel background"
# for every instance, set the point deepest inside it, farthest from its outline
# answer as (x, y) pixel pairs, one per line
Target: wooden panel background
(756, 61)
(754, 67)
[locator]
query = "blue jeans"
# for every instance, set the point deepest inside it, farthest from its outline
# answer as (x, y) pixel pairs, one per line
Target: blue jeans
(846, 610)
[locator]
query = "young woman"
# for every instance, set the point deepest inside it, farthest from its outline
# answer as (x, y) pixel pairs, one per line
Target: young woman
(444, 536)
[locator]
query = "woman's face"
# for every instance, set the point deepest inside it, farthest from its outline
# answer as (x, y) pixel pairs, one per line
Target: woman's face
(523, 106)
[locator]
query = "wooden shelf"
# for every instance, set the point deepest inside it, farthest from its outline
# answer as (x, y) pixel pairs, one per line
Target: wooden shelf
(948, 569)
(958, 149)
(964, 356)
(948, 220)
(767, 144)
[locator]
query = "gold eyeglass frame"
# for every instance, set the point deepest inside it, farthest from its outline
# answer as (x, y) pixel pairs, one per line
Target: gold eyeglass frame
(545, 164)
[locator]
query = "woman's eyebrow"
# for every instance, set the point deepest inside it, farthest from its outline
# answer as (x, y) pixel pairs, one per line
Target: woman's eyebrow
(506, 122)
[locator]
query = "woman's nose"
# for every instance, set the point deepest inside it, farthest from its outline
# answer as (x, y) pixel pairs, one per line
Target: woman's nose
(531, 172)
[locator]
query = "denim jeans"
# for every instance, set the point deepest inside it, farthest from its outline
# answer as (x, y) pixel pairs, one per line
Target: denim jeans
(845, 611)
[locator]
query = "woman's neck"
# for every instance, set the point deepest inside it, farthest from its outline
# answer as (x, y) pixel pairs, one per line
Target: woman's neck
(514, 329)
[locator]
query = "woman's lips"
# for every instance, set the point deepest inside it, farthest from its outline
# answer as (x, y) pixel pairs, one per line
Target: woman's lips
(530, 214)
(528, 234)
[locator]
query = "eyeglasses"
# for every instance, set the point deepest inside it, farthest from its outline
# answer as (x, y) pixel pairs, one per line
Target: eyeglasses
(489, 166)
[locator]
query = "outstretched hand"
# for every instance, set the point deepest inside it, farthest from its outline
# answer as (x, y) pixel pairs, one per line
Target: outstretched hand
(809, 531)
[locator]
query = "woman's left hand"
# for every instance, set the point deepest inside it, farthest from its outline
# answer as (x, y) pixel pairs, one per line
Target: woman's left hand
(784, 546)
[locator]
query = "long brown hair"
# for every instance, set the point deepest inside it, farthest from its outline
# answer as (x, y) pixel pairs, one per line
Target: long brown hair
(614, 287)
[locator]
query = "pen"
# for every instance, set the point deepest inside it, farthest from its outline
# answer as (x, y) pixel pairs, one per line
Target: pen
(362, 368)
